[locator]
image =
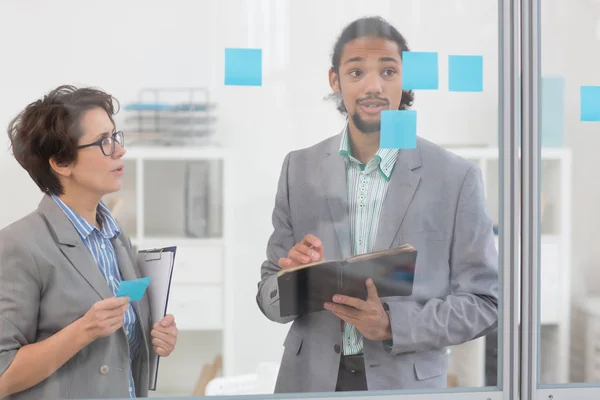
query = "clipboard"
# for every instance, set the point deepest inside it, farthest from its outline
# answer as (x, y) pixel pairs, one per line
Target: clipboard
(157, 264)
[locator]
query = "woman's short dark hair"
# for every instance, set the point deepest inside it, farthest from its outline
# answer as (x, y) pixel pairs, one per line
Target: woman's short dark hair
(369, 27)
(50, 128)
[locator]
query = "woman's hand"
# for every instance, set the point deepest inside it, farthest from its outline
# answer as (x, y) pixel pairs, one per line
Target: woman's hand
(164, 336)
(104, 318)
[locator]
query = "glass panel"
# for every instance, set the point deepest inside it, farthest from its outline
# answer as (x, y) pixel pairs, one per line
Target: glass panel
(472, 117)
(245, 131)
(569, 282)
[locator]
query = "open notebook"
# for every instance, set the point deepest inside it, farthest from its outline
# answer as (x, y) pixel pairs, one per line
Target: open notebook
(158, 264)
(306, 288)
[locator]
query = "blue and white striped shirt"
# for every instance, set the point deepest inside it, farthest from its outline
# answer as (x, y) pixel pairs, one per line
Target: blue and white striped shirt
(100, 247)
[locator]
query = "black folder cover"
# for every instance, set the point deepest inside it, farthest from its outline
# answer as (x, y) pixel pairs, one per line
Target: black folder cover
(306, 288)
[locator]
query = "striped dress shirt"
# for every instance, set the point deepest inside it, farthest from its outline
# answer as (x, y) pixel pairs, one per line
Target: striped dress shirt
(367, 188)
(100, 247)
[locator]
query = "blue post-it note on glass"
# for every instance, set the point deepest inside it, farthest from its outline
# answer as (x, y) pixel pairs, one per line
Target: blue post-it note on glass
(419, 70)
(243, 67)
(398, 129)
(590, 103)
(134, 289)
(465, 73)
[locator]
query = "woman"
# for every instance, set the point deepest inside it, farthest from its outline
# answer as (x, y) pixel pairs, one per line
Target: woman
(63, 333)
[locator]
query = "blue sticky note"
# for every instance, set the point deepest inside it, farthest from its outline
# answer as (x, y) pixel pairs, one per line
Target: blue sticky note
(419, 70)
(134, 289)
(243, 67)
(465, 73)
(590, 103)
(398, 129)
(552, 111)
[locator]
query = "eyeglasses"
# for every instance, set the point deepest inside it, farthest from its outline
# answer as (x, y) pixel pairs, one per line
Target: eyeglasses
(107, 144)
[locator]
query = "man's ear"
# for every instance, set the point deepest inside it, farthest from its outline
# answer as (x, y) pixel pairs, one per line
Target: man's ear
(61, 169)
(334, 81)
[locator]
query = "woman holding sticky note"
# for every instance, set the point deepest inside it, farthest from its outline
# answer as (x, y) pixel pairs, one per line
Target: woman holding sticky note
(74, 317)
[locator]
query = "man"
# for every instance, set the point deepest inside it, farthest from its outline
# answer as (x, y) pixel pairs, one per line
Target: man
(346, 196)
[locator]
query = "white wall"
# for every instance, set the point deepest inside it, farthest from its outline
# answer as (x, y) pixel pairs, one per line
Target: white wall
(124, 46)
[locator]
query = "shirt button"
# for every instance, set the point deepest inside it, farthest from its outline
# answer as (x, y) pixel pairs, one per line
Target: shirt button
(336, 348)
(130, 389)
(111, 278)
(127, 331)
(103, 246)
(104, 370)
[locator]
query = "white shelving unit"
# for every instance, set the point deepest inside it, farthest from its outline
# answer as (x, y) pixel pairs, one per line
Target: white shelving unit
(153, 213)
(555, 255)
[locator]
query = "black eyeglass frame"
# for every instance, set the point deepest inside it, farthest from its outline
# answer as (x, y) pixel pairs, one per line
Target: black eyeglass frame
(113, 139)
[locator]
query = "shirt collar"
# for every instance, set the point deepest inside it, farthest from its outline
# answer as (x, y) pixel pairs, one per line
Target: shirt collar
(110, 228)
(384, 160)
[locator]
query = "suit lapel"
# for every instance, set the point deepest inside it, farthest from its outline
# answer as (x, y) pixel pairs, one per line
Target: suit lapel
(72, 246)
(81, 259)
(125, 264)
(401, 190)
(336, 190)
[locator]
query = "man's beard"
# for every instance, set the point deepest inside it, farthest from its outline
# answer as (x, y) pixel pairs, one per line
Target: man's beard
(364, 126)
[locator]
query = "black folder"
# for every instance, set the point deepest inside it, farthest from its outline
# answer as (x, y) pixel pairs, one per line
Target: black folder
(306, 288)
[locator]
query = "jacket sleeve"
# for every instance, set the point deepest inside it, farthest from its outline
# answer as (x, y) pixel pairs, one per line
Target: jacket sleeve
(20, 292)
(280, 242)
(471, 308)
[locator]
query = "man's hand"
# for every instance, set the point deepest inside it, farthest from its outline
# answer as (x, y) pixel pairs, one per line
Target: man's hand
(310, 249)
(368, 316)
(164, 336)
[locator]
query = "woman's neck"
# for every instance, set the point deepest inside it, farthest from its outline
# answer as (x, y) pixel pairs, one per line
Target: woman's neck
(85, 205)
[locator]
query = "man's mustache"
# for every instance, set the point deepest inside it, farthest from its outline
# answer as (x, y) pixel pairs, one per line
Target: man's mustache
(386, 101)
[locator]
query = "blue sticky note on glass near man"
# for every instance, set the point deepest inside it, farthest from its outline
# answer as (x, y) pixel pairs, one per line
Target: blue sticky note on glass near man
(465, 73)
(243, 67)
(134, 289)
(590, 103)
(419, 70)
(398, 129)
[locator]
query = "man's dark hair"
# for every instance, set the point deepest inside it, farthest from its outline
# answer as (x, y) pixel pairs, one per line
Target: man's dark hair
(369, 27)
(50, 128)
